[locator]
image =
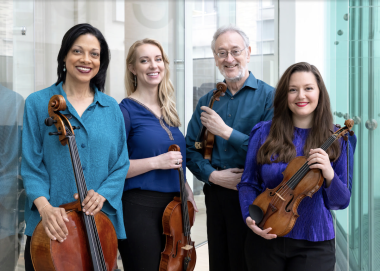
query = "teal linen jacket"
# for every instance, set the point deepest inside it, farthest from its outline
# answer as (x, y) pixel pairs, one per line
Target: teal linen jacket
(46, 166)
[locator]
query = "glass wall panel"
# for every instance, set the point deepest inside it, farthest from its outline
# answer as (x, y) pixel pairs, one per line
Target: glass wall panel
(354, 58)
(16, 83)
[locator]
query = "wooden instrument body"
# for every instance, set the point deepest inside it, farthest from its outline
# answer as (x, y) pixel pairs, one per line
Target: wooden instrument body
(207, 138)
(173, 255)
(281, 213)
(73, 254)
(208, 143)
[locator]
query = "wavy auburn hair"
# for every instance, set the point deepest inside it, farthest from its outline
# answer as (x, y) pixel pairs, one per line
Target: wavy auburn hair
(165, 88)
(279, 143)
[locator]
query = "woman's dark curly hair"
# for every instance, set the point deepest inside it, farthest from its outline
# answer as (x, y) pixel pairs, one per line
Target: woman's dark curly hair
(68, 40)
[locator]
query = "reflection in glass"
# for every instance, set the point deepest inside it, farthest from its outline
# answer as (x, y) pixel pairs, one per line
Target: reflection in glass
(12, 195)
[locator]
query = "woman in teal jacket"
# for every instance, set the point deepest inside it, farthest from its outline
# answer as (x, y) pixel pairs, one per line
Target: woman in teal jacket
(46, 165)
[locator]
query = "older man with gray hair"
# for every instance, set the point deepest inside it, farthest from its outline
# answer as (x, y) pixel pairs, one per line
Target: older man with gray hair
(247, 102)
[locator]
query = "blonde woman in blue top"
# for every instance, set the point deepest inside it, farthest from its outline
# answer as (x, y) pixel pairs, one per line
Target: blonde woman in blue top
(151, 123)
(46, 166)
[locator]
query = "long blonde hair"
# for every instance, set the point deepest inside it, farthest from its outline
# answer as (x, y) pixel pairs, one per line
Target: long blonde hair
(165, 88)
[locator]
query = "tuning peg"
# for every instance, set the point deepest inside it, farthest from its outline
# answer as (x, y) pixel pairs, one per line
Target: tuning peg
(76, 127)
(55, 133)
(352, 133)
(345, 138)
(49, 121)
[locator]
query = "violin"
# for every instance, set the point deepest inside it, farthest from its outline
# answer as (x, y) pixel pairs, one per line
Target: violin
(92, 242)
(207, 139)
(179, 253)
(277, 208)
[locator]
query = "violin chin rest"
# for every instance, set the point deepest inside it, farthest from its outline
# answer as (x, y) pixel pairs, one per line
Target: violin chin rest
(256, 213)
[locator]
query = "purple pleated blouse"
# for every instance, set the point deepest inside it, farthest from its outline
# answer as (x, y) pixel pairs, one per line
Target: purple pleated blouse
(315, 222)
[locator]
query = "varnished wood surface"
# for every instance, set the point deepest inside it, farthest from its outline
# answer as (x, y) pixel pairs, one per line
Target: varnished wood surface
(73, 254)
(282, 221)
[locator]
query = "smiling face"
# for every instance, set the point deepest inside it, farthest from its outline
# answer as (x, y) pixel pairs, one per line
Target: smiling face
(303, 96)
(149, 67)
(232, 68)
(83, 59)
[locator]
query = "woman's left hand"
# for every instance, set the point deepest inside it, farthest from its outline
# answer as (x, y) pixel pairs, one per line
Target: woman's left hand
(93, 202)
(318, 158)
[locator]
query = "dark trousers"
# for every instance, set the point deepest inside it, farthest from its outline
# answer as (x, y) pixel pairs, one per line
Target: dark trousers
(27, 256)
(226, 230)
(286, 254)
(145, 241)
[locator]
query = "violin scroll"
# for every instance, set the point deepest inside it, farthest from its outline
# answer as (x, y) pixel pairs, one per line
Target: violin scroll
(221, 89)
(174, 147)
(342, 132)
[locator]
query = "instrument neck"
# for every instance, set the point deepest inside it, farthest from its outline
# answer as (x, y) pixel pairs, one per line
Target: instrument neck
(96, 251)
(298, 176)
(77, 167)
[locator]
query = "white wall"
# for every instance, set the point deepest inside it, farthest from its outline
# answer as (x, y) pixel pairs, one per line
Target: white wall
(302, 33)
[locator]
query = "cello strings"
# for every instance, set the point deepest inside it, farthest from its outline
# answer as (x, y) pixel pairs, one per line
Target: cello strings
(89, 220)
(82, 193)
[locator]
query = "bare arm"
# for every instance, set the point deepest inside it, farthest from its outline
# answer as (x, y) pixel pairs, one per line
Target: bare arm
(169, 160)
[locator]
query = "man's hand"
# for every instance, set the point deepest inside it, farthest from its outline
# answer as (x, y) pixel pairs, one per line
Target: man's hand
(228, 178)
(214, 123)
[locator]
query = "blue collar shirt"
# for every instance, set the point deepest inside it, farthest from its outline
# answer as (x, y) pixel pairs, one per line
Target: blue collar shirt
(242, 111)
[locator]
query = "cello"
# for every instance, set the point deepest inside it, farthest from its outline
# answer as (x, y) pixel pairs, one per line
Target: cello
(92, 242)
(277, 208)
(206, 139)
(179, 253)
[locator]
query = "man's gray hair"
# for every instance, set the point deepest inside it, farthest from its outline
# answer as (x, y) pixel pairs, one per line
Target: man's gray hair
(229, 28)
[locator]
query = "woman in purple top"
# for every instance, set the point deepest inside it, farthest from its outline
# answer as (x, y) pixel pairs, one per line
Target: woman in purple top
(302, 121)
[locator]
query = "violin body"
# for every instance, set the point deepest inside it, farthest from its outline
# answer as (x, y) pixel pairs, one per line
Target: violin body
(282, 216)
(175, 251)
(207, 139)
(74, 253)
(208, 144)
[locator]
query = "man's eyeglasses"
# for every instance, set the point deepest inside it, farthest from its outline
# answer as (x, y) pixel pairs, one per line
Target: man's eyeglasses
(234, 53)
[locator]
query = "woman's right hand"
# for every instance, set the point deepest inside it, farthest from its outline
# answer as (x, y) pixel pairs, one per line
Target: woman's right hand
(53, 221)
(263, 233)
(169, 160)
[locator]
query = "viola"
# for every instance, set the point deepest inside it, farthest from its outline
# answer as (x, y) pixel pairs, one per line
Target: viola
(179, 253)
(207, 139)
(277, 208)
(92, 242)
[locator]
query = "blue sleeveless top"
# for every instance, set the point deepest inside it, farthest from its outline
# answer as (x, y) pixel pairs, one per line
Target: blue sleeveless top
(149, 136)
